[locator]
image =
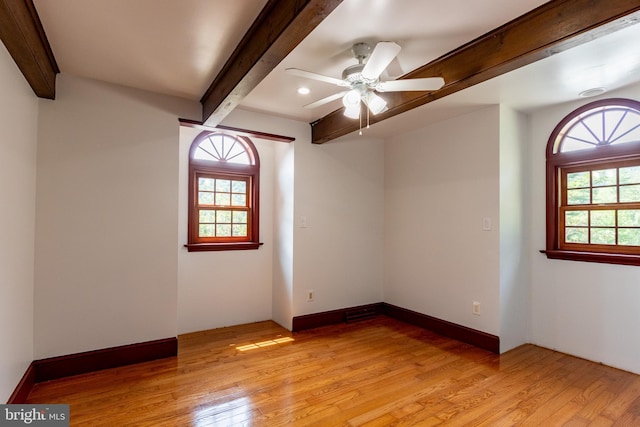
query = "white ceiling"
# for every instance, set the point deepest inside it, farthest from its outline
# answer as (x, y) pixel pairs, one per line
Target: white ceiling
(174, 47)
(177, 47)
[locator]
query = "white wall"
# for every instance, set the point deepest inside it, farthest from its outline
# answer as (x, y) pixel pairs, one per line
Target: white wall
(107, 209)
(217, 289)
(440, 182)
(18, 140)
(514, 260)
(585, 309)
(339, 189)
(283, 223)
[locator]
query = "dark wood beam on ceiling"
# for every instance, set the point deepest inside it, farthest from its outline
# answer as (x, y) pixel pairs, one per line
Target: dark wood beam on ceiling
(551, 28)
(22, 34)
(278, 29)
(236, 131)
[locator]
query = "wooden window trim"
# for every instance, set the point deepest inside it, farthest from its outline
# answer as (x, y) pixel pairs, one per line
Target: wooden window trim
(250, 173)
(599, 156)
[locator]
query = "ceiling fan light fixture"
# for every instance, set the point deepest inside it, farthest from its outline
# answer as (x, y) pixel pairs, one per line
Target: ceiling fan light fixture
(375, 103)
(352, 112)
(351, 99)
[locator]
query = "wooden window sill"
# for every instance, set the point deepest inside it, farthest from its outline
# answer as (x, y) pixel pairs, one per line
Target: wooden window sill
(236, 246)
(605, 258)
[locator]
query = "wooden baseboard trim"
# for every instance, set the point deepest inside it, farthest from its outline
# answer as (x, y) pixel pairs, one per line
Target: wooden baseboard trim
(443, 327)
(439, 326)
(90, 361)
(20, 394)
(326, 318)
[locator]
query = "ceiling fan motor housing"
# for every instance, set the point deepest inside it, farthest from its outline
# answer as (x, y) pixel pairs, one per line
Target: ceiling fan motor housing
(361, 51)
(353, 73)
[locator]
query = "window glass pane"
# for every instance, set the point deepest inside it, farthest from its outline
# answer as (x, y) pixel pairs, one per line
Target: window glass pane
(223, 217)
(593, 124)
(629, 218)
(206, 230)
(612, 124)
(205, 198)
(576, 218)
(222, 148)
(239, 230)
(580, 133)
(238, 187)
(217, 146)
(578, 197)
(630, 175)
(241, 158)
(578, 179)
(223, 230)
(570, 144)
(603, 218)
(629, 236)
(207, 216)
(604, 177)
(239, 217)
(576, 235)
(629, 193)
(202, 153)
(239, 200)
(223, 199)
(223, 185)
(244, 159)
(205, 184)
(628, 130)
(605, 195)
(603, 236)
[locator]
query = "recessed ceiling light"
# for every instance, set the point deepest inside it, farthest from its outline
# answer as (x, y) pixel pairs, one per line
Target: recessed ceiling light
(303, 90)
(592, 92)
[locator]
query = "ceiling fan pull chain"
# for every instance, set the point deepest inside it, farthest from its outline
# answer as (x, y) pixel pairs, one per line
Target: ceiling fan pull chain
(360, 117)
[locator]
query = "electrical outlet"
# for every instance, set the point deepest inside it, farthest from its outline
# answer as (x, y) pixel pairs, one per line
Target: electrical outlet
(309, 296)
(476, 308)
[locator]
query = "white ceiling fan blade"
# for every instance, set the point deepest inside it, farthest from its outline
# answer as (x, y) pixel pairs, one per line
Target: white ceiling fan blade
(326, 100)
(424, 84)
(380, 58)
(315, 76)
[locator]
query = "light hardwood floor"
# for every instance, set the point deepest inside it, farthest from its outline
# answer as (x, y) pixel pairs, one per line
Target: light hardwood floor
(379, 372)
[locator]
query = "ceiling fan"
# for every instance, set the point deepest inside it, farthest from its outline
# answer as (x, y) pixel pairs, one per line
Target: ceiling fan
(362, 80)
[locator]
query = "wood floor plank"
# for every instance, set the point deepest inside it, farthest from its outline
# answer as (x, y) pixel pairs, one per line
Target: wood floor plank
(624, 399)
(378, 372)
(600, 422)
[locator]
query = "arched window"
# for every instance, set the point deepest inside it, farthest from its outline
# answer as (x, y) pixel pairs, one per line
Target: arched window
(224, 176)
(593, 184)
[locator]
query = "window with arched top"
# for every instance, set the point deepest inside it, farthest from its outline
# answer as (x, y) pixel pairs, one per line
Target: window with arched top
(224, 177)
(593, 184)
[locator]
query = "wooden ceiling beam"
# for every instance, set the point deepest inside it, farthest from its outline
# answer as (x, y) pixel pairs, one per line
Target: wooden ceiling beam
(278, 29)
(22, 34)
(545, 31)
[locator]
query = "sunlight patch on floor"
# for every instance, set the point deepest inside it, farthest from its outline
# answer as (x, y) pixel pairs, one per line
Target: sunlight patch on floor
(262, 344)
